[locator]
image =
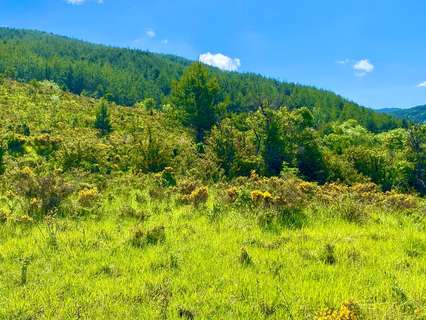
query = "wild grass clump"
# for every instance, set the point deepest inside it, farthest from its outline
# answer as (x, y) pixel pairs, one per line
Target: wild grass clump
(129, 211)
(142, 237)
(185, 313)
(245, 258)
(351, 210)
(4, 216)
(328, 255)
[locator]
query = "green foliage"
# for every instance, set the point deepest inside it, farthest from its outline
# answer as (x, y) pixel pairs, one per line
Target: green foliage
(148, 104)
(268, 141)
(197, 94)
(233, 150)
(103, 121)
(417, 149)
(2, 165)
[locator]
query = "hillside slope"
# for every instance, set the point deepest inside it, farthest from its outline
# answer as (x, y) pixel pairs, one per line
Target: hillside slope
(127, 76)
(415, 114)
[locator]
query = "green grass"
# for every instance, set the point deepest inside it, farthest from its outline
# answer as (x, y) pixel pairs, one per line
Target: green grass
(88, 268)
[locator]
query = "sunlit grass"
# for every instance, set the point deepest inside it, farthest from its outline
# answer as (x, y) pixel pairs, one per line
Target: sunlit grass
(89, 268)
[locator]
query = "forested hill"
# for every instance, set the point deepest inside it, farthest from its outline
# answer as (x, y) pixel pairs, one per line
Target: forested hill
(127, 76)
(415, 114)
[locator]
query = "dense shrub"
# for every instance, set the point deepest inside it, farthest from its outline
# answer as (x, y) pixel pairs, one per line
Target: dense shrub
(88, 154)
(46, 144)
(42, 194)
(15, 143)
(197, 197)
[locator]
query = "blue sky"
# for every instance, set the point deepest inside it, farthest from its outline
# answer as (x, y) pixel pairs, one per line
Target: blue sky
(372, 52)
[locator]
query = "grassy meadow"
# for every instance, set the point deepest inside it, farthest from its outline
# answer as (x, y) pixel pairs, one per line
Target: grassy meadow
(136, 255)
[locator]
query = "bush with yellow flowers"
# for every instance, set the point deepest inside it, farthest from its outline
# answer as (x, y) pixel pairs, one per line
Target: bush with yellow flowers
(400, 201)
(24, 219)
(87, 196)
(261, 198)
(347, 311)
(197, 197)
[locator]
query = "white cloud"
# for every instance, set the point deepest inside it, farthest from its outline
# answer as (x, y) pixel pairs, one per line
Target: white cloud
(362, 67)
(150, 33)
(165, 41)
(220, 61)
(421, 84)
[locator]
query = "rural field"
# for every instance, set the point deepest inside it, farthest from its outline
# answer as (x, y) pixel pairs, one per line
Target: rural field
(82, 244)
(138, 256)
(139, 185)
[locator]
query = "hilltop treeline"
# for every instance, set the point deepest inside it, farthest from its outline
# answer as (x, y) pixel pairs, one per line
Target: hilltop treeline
(414, 114)
(127, 76)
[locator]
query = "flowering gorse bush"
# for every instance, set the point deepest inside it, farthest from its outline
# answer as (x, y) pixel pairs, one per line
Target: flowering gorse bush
(87, 196)
(347, 311)
(197, 197)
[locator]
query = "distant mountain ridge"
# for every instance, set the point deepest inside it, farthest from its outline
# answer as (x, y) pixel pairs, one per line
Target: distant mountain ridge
(127, 76)
(415, 114)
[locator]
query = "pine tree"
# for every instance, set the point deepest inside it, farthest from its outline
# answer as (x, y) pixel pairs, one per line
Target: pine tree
(103, 121)
(197, 94)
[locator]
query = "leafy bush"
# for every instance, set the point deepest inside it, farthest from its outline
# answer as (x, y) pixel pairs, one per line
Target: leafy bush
(45, 144)
(42, 194)
(168, 178)
(197, 197)
(15, 143)
(87, 154)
